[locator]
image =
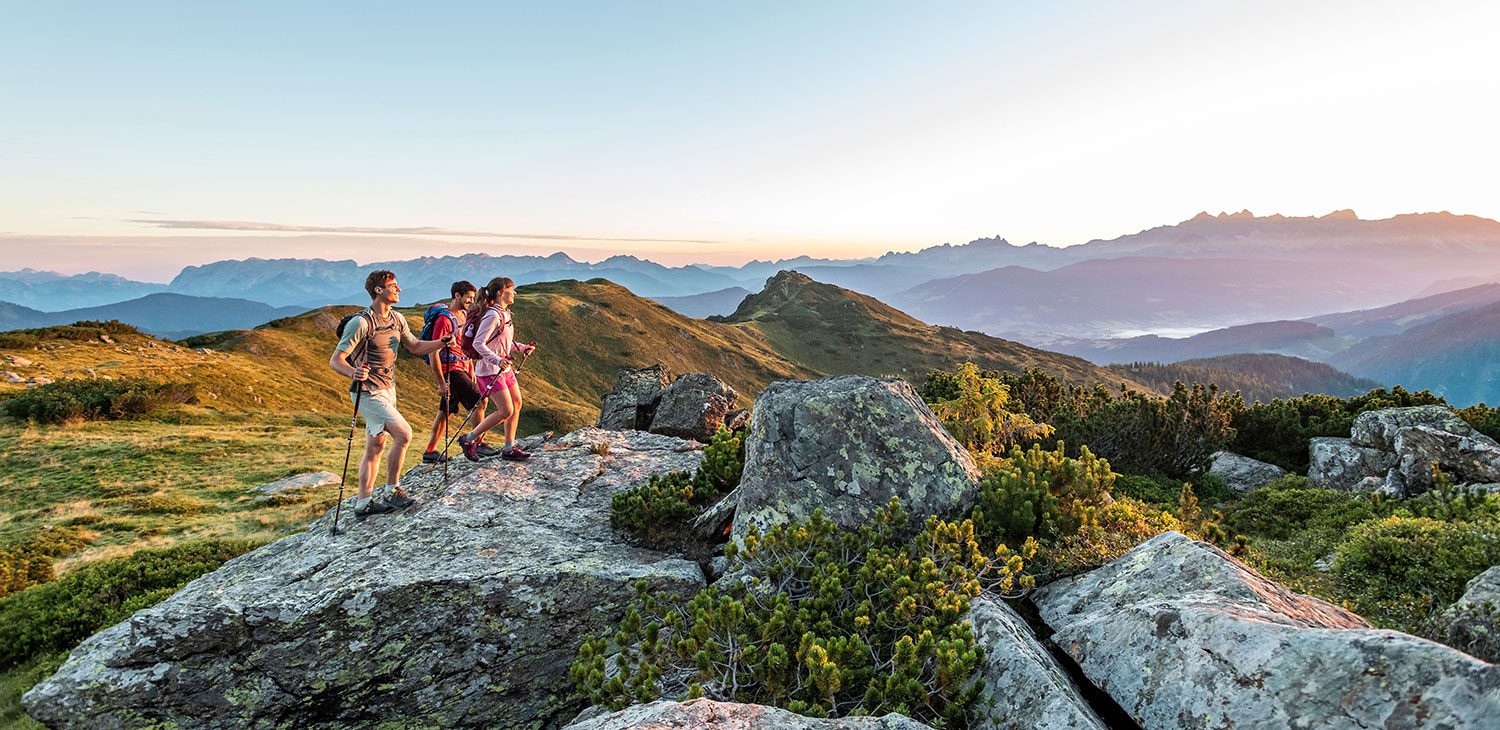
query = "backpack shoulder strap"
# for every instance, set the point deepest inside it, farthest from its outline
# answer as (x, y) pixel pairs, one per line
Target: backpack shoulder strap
(362, 348)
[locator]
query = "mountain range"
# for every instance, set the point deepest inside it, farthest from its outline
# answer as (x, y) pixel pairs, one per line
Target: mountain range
(172, 316)
(1207, 272)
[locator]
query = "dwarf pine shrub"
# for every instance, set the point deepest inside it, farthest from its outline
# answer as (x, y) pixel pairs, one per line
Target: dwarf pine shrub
(57, 615)
(86, 400)
(664, 505)
(835, 622)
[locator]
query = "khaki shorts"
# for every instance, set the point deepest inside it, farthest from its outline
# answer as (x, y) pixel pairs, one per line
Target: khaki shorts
(379, 409)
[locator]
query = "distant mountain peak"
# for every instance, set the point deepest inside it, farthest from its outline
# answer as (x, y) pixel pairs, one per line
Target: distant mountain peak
(1340, 215)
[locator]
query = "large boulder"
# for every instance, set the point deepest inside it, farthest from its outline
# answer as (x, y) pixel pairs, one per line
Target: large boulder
(846, 445)
(461, 611)
(1472, 623)
(632, 402)
(1031, 690)
(711, 715)
(1337, 463)
(1243, 473)
(1378, 429)
(1181, 635)
(693, 407)
(1466, 458)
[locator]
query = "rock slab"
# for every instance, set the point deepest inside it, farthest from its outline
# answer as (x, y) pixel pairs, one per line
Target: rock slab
(298, 481)
(1030, 689)
(1181, 635)
(1472, 623)
(461, 611)
(694, 406)
(711, 715)
(1338, 463)
(1242, 473)
(846, 445)
(1378, 429)
(632, 402)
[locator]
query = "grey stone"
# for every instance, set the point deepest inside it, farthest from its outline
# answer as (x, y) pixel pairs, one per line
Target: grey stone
(298, 481)
(1030, 689)
(1181, 635)
(11, 377)
(846, 445)
(1472, 623)
(18, 361)
(693, 407)
(632, 402)
(1243, 473)
(463, 610)
(1336, 463)
(1378, 429)
(708, 714)
(1465, 457)
(38, 380)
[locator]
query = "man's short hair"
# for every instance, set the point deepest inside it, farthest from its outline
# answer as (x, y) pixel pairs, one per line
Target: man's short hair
(461, 287)
(378, 279)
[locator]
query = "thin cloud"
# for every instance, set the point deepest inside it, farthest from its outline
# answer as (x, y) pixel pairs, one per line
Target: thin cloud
(418, 231)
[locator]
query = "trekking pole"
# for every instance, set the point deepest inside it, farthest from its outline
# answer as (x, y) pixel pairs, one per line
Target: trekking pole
(348, 450)
(447, 423)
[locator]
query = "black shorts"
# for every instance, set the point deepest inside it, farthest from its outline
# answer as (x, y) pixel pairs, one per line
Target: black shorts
(461, 391)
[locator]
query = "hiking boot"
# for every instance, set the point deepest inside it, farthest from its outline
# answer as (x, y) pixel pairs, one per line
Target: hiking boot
(434, 457)
(515, 453)
(372, 507)
(470, 447)
(486, 451)
(399, 500)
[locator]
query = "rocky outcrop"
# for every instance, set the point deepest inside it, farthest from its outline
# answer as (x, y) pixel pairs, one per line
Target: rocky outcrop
(632, 402)
(1243, 473)
(295, 482)
(1393, 450)
(1181, 635)
(693, 407)
(1471, 458)
(1336, 463)
(461, 611)
(846, 445)
(1378, 429)
(711, 715)
(1031, 690)
(1472, 623)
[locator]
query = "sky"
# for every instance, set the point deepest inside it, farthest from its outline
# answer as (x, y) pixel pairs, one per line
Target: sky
(137, 138)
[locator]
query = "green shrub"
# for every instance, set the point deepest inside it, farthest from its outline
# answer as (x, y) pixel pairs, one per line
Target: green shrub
(1036, 493)
(1398, 570)
(1106, 532)
(27, 561)
(1291, 505)
(974, 408)
(55, 616)
(838, 622)
(78, 331)
(1157, 490)
(85, 400)
(661, 508)
(1483, 418)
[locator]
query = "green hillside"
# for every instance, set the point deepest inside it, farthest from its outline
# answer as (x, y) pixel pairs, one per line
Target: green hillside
(834, 330)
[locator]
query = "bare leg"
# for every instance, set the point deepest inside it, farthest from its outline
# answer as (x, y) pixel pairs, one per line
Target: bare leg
(400, 432)
(501, 399)
(369, 464)
(439, 430)
(515, 416)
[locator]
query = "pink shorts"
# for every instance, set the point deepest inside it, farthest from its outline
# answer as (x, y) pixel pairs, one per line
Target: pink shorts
(496, 383)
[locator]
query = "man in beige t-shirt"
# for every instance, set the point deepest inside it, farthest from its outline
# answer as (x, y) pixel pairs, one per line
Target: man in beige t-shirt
(372, 338)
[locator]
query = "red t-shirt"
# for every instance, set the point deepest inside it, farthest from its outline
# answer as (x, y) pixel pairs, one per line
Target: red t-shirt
(442, 327)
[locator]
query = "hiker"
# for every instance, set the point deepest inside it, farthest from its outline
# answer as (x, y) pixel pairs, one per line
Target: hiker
(451, 367)
(370, 339)
(493, 340)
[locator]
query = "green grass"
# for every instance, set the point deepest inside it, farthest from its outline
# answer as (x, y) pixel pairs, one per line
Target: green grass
(16, 681)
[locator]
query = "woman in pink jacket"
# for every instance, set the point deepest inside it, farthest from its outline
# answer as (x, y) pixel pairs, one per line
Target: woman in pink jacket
(494, 341)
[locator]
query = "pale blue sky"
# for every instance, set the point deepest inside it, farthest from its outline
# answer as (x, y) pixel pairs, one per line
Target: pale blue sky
(719, 131)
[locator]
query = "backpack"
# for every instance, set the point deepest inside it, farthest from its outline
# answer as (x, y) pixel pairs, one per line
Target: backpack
(430, 318)
(358, 353)
(466, 340)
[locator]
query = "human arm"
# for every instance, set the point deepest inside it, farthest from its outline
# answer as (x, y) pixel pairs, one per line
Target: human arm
(420, 347)
(354, 332)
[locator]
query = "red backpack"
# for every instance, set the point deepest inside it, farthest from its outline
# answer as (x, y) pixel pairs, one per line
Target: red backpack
(466, 338)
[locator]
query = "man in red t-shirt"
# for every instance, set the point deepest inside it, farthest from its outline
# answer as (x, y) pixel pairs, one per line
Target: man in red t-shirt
(450, 367)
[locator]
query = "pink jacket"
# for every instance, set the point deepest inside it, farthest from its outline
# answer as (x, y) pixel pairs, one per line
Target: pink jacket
(494, 340)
